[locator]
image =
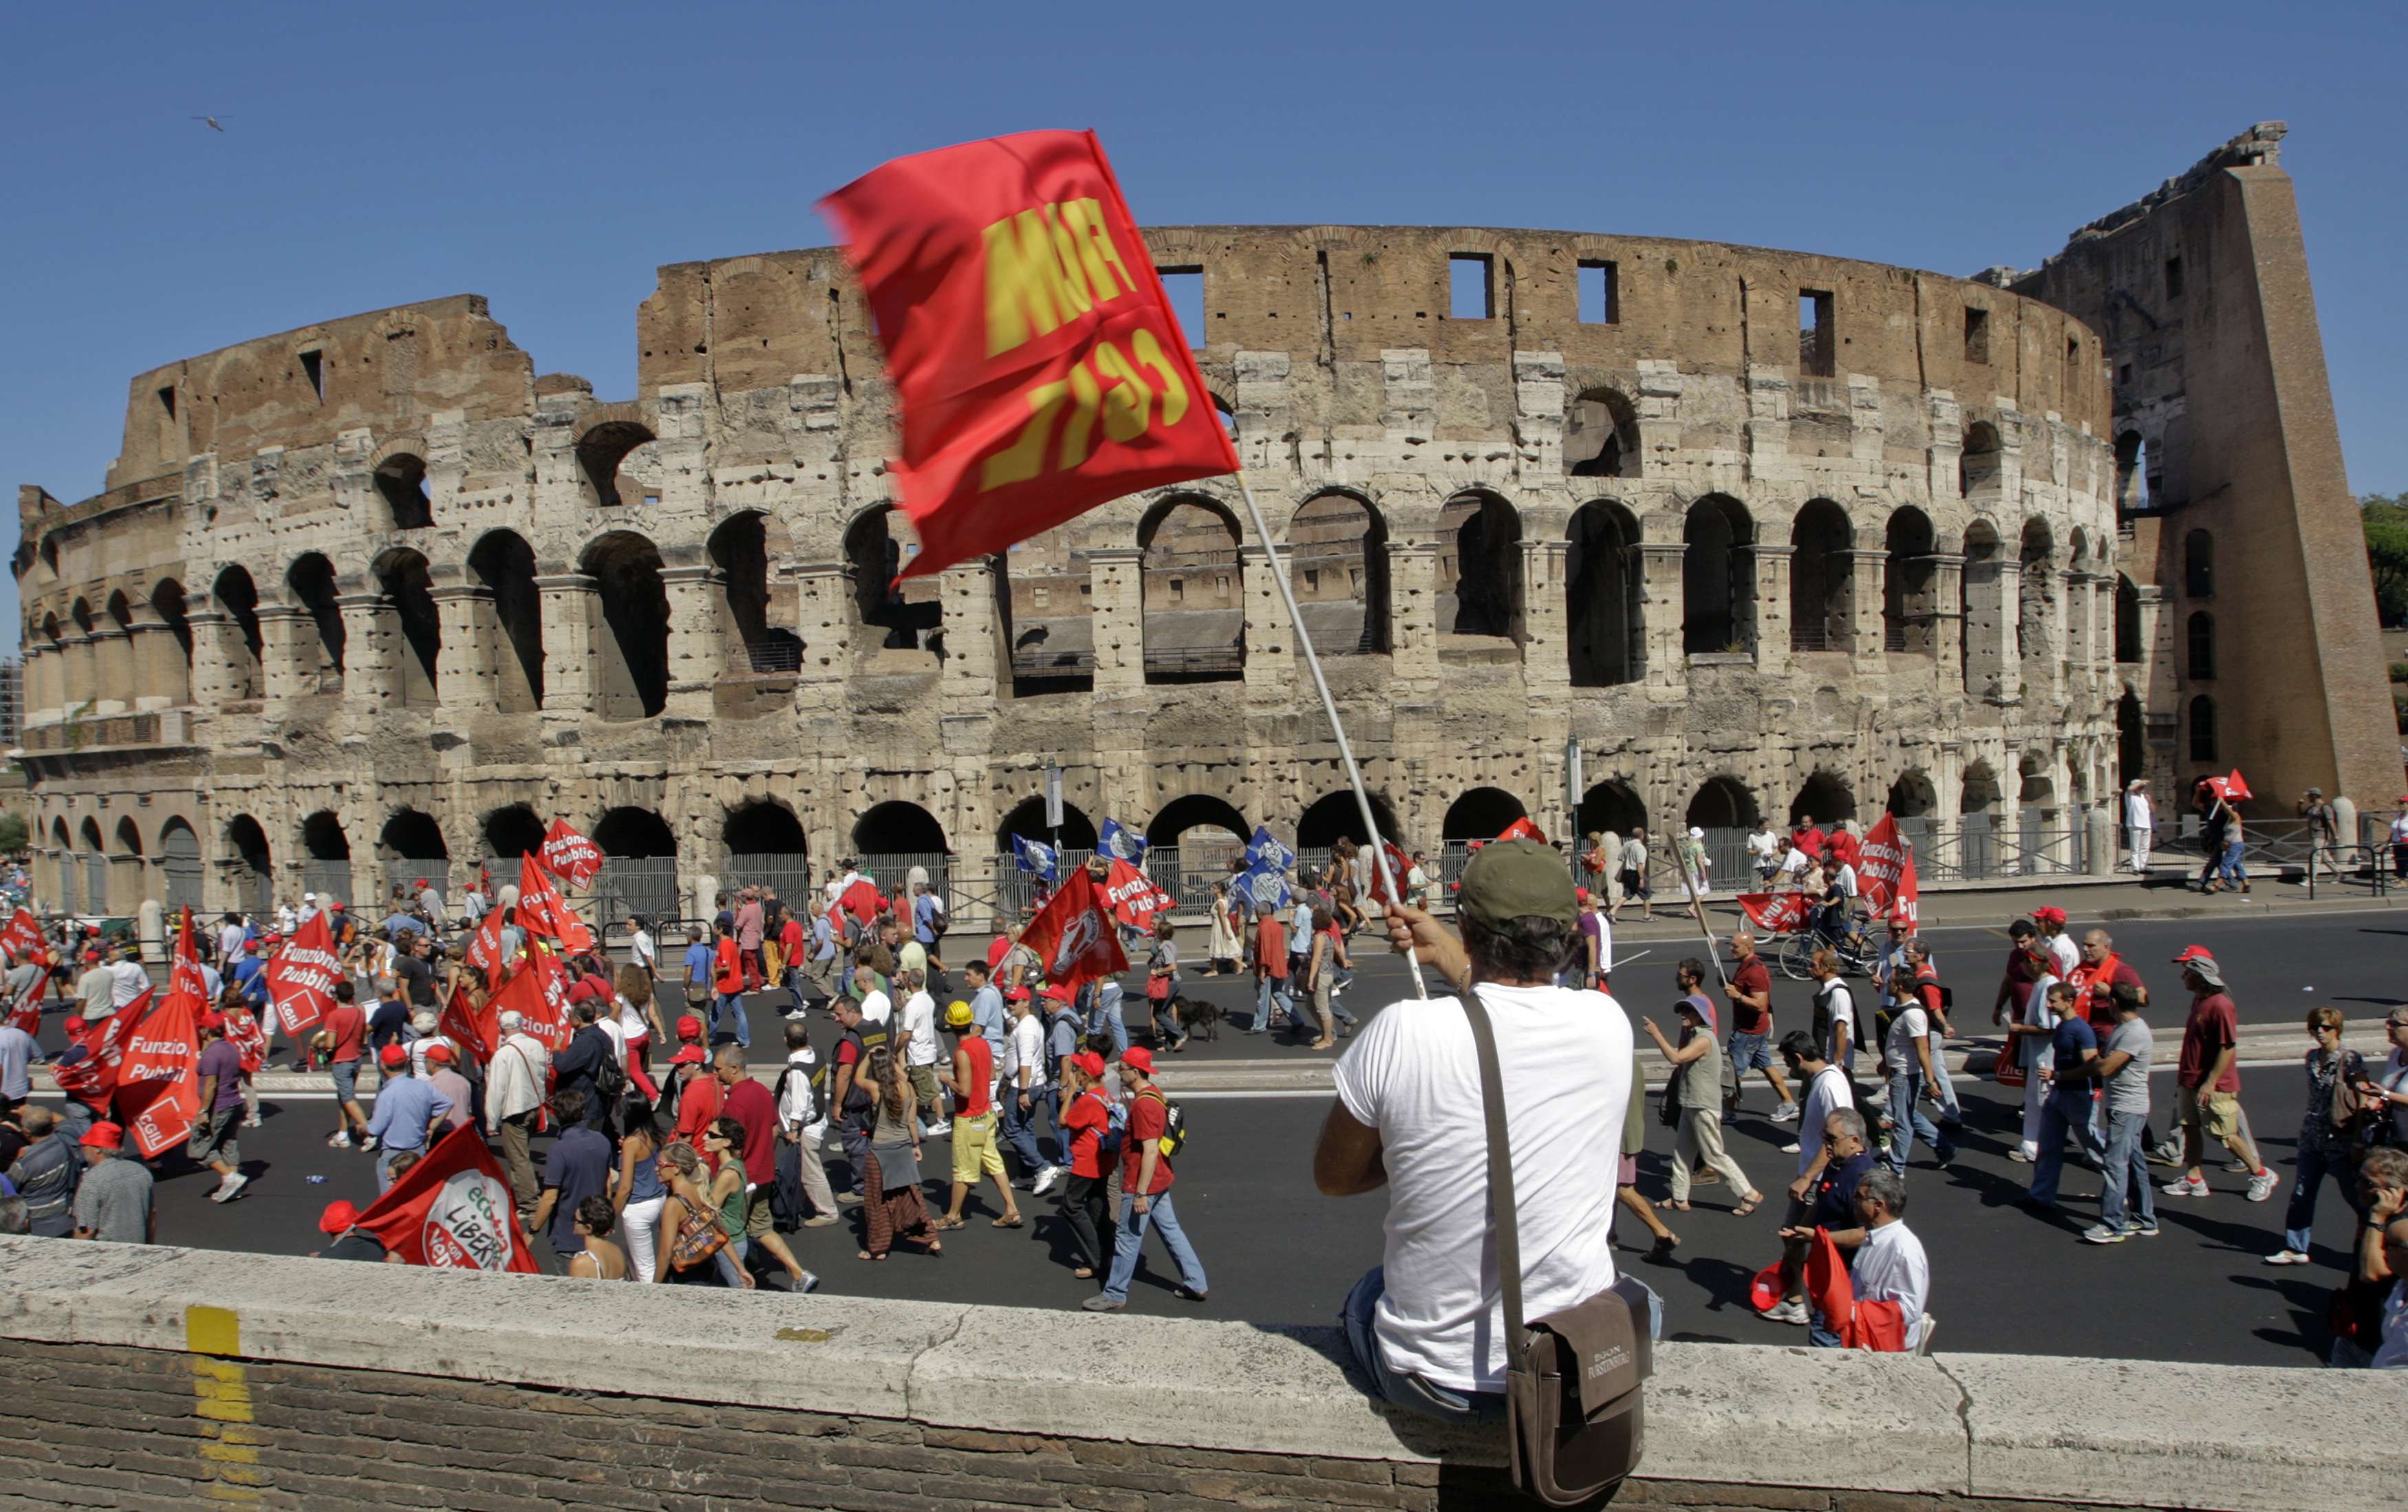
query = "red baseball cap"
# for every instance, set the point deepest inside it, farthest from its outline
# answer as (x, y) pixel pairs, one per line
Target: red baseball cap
(690, 1055)
(1580, 894)
(1015, 994)
(2195, 953)
(392, 1055)
(1140, 1057)
(689, 1027)
(440, 1052)
(338, 1216)
(1058, 992)
(1090, 1062)
(2049, 916)
(104, 1135)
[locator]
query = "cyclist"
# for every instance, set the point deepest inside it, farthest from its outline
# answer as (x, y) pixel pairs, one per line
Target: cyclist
(1835, 919)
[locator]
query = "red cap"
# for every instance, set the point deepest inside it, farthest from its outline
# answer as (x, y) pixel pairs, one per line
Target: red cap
(211, 1020)
(392, 1055)
(2049, 916)
(273, 939)
(1059, 993)
(689, 1027)
(1140, 1057)
(1015, 994)
(1580, 894)
(422, 881)
(104, 1135)
(690, 1055)
(338, 1216)
(92, 955)
(440, 1054)
(2195, 953)
(1090, 1062)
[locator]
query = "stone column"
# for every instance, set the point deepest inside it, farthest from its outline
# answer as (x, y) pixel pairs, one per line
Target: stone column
(967, 681)
(281, 629)
(1270, 640)
(464, 673)
(1996, 586)
(41, 684)
(1412, 610)
(1660, 612)
(1868, 632)
(823, 599)
(569, 601)
(1948, 622)
(1773, 569)
(1547, 645)
(695, 653)
(1116, 622)
(161, 679)
(370, 627)
(112, 669)
(81, 682)
(2080, 628)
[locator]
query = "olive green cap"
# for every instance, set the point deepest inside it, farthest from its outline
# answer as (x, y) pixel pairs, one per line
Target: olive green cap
(1517, 879)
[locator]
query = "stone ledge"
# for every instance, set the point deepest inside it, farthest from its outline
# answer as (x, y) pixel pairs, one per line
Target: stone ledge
(2023, 1427)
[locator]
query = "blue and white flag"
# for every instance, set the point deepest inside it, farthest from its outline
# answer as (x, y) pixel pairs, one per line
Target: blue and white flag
(1037, 859)
(1264, 890)
(1265, 851)
(1121, 844)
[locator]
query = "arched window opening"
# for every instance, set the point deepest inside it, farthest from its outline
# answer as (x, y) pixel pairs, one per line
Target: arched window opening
(407, 586)
(602, 455)
(1044, 597)
(168, 603)
(1480, 814)
(1604, 630)
(180, 870)
(631, 666)
(126, 880)
(639, 869)
(911, 614)
(401, 482)
(1981, 463)
(1337, 816)
(753, 615)
(2131, 742)
(1601, 435)
(2128, 619)
(2202, 729)
(1192, 592)
(236, 595)
(511, 620)
(310, 580)
(1480, 567)
(2203, 646)
(1825, 798)
(634, 835)
(411, 846)
(1717, 578)
(2198, 565)
(1027, 820)
(893, 837)
(2132, 474)
(512, 831)
(69, 875)
(96, 869)
(326, 858)
(1912, 795)
(1910, 585)
(765, 849)
(1181, 816)
(251, 865)
(1338, 563)
(1821, 584)
(1981, 605)
(1726, 811)
(1611, 807)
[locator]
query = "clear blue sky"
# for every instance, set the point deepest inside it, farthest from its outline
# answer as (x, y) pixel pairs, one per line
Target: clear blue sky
(551, 156)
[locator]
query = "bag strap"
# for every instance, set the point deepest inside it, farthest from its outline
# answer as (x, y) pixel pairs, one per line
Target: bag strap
(1500, 1166)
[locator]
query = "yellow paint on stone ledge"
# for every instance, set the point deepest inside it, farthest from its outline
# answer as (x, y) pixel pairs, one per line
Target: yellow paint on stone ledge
(221, 1400)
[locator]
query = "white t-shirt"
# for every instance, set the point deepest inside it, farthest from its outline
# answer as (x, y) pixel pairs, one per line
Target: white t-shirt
(1825, 1094)
(230, 942)
(2400, 829)
(2037, 1050)
(2067, 954)
(1845, 880)
(1890, 1267)
(877, 1008)
(1840, 1002)
(1907, 1026)
(1413, 1075)
(1794, 864)
(798, 1101)
(920, 1023)
(127, 981)
(1023, 1047)
(633, 1025)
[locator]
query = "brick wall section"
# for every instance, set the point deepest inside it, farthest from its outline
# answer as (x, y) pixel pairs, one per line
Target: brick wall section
(92, 1426)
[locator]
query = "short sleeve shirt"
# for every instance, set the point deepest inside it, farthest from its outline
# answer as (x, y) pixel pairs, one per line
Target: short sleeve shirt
(1085, 1122)
(2127, 1091)
(113, 1201)
(580, 1167)
(1146, 1121)
(347, 1025)
(1752, 979)
(222, 1060)
(2072, 1039)
(2213, 1024)
(1909, 1025)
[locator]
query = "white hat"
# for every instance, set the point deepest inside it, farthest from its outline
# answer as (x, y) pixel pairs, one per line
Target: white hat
(1695, 833)
(308, 897)
(511, 1018)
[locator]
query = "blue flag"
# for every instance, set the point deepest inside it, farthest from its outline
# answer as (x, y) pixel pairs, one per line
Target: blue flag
(1120, 844)
(1265, 851)
(1037, 859)
(1264, 890)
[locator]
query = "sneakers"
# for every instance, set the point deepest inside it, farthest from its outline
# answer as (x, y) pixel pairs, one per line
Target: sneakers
(2287, 1257)
(2189, 1186)
(367, 1142)
(2143, 1231)
(1104, 1303)
(821, 1221)
(1048, 1178)
(251, 1124)
(791, 1016)
(2262, 1184)
(942, 1126)
(1786, 1113)
(340, 1141)
(850, 1199)
(806, 1283)
(1945, 1155)
(1789, 1148)
(2019, 1153)
(1793, 1311)
(1184, 1296)
(2101, 1233)
(231, 1187)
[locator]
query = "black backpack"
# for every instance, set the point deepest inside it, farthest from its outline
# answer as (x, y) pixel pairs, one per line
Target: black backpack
(610, 1080)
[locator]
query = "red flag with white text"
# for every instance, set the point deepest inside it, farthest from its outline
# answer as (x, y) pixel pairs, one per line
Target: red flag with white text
(1135, 898)
(569, 855)
(1523, 829)
(301, 977)
(484, 948)
(25, 1011)
(1037, 368)
(543, 911)
(1781, 913)
(23, 937)
(453, 1209)
(538, 990)
(1885, 873)
(2232, 789)
(475, 1030)
(1073, 937)
(93, 1079)
(158, 1096)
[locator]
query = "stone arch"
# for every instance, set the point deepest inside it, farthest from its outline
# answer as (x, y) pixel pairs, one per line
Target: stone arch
(168, 603)
(1612, 804)
(634, 834)
(2127, 620)
(1480, 566)
(1981, 463)
(1195, 810)
(1604, 631)
(2132, 740)
(762, 827)
(1336, 816)
(402, 577)
(1338, 563)
(1909, 583)
(631, 660)
(401, 483)
(755, 613)
(1027, 820)
(512, 831)
(2131, 473)
(1913, 795)
(2036, 615)
(911, 614)
(95, 867)
(234, 594)
(1981, 608)
(249, 864)
(1824, 795)
(1723, 808)
(1717, 576)
(1192, 591)
(1480, 814)
(509, 619)
(601, 456)
(413, 834)
(322, 837)
(126, 864)
(897, 828)
(180, 868)
(67, 874)
(1821, 583)
(1601, 435)
(310, 582)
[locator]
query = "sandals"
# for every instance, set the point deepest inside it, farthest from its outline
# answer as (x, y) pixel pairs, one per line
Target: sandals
(946, 1224)
(1678, 1207)
(1013, 1221)
(1082, 1273)
(1749, 1204)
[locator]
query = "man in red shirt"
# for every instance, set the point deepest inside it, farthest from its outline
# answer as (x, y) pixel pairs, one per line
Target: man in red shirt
(342, 1032)
(750, 1104)
(1085, 1120)
(2207, 1083)
(1270, 971)
(727, 990)
(1750, 990)
(1145, 1192)
(1808, 836)
(698, 1095)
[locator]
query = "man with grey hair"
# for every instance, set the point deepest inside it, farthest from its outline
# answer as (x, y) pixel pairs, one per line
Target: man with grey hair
(515, 1084)
(1828, 1201)
(45, 1174)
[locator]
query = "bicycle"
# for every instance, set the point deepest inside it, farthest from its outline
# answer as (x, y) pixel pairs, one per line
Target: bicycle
(1857, 954)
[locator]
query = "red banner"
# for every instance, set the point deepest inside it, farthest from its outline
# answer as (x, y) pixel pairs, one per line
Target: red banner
(1038, 364)
(543, 911)
(863, 899)
(1782, 913)
(1523, 829)
(158, 1093)
(1074, 935)
(453, 1209)
(2232, 789)
(569, 855)
(477, 1031)
(1133, 897)
(301, 977)
(249, 1038)
(1885, 874)
(93, 1078)
(540, 993)
(23, 937)
(25, 1012)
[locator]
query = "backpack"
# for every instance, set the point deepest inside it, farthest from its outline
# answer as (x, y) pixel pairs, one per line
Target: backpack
(939, 922)
(815, 1085)
(609, 1081)
(1174, 1126)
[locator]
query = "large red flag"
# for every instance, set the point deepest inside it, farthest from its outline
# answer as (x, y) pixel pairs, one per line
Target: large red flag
(1887, 873)
(863, 899)
(452, 1209)
(477, 1031)
(569, 855)
(484, 952)
(1074, 935)
(1038, 366)
(158, 1094)
(1134, 897)
(1523, 829)
(93, 1078)
(539, 992)
(1782, 913)
(2232, 789)
(301, 977)
(23, 935)
(543, 911)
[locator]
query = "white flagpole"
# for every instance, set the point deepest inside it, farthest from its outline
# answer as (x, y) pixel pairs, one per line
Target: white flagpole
(1329, 707)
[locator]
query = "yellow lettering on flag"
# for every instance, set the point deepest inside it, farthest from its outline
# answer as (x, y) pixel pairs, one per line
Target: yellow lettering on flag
(1025, 457)
(1127, 402)
(1088, 217)
(1085, 394)
(1148, 347)
(1025, 292)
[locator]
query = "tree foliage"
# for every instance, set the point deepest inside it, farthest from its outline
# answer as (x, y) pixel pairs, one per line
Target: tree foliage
(2386, 520)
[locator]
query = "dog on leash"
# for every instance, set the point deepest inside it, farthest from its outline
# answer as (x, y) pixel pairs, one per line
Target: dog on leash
(1198, 1017)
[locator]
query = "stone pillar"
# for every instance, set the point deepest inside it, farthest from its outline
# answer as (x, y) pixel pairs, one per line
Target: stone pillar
(370, 627)
(1991, 670)
(1772, 568)
(1116, 622)
(1412, 610)
(41, 679)
(695, 653)
(463, 675)
(966, 680)
(2080, 628)
(281, 629)
(112, 669)
(1661, 611)
(1868, 632)
(83, 677)
(1270, 640)
(161, 677)
(1947, 620)
(569, 601)
(2102, 629)
(1547, 645)
(824, 603)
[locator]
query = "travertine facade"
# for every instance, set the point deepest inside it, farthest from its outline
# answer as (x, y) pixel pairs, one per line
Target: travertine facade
(361, 588)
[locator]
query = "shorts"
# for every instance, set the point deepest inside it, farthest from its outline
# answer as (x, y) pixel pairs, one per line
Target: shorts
(213, 1135)
(1750, 1052)
(1634, 885)
(1630, 1176)
(974, 1148)
(346, 1080)
(923, 1082)
(2215, 1115)
(758, 1213)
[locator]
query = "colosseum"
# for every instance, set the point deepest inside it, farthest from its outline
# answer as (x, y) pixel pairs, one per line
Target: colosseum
(1728, 532)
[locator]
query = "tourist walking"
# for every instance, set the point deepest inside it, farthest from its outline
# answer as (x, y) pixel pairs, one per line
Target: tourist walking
(1750, 990)
(2127, 1199)
(896, 1208)
(1146, 1176)
(1907, 1067)
(2331, 1132)
(1696, 1082)
(2207, 1081)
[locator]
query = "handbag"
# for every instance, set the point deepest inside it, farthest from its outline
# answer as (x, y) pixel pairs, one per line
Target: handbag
(1575, 1380)
(698, 1238)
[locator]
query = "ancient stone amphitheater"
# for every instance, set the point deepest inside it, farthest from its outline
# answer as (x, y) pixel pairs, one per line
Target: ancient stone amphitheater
(1744, 532)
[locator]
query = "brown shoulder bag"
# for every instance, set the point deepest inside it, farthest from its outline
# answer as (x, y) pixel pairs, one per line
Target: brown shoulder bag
(1575, 1380)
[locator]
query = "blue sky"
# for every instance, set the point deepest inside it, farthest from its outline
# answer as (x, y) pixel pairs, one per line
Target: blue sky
(552, 156)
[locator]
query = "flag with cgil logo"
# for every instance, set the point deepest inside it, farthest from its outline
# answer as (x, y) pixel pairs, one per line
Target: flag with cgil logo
(453, 1209)
(301, 977)
(1074, 935)
(569, 855)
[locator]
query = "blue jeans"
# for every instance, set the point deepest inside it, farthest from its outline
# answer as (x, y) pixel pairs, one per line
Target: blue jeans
(1951, 1113)
(2126, 1164)
(2299, 1221)
(731, 1005)
(2228, 865)
(1416, 1394)
(1163, 1218)
(1270, 991)
(1907, 1122)
(1020, 1129)
(1107, 1019)
(2059, 1114)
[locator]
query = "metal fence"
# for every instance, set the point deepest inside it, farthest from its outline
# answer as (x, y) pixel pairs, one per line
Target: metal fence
(893, 874)
(645, 885)
(328, 880)
(789, 876)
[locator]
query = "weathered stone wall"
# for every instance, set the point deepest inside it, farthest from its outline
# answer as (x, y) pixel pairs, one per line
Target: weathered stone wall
(668, 608)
